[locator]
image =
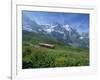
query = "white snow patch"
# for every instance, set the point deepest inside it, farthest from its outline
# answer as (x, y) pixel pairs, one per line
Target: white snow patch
(67, 27)
(81, 37)
(40, 30)
(52, 26)
(28, 29)
(48, 30)
(60, 32)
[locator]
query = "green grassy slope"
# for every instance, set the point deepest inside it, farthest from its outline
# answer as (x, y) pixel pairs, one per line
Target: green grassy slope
(40, 57)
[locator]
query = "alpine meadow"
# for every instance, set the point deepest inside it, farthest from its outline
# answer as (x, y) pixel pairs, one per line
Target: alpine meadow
(54, 39)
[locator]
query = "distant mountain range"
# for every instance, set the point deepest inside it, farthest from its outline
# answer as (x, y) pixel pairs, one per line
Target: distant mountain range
(63, 33)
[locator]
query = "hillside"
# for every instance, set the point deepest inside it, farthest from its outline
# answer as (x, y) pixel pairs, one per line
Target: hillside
(63, 55)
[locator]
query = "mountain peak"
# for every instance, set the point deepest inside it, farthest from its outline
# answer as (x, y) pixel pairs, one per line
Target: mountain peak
(67, 27)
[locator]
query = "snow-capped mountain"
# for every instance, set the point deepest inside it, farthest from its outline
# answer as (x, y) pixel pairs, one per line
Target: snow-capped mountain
(64, 33)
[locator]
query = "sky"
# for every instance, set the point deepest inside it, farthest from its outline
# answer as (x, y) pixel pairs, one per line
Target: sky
(79, 21)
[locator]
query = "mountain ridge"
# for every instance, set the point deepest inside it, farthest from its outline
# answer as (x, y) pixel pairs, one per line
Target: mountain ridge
(64, 33)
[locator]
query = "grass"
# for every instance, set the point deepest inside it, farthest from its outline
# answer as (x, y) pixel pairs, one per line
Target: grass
(61, 56)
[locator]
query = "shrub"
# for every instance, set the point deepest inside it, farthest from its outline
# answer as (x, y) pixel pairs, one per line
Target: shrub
(26, 51)
(60, 61)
